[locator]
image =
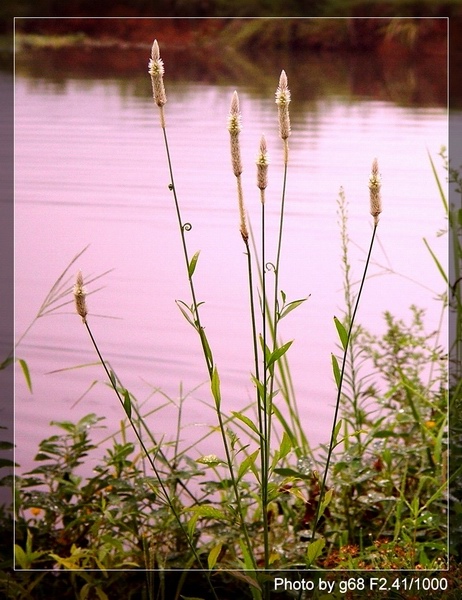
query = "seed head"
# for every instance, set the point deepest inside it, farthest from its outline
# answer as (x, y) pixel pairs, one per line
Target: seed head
(283, 101)
(156, 70)
(375, 183)
(234, 118)
(80, 294)
(234, 128)
(262, 166)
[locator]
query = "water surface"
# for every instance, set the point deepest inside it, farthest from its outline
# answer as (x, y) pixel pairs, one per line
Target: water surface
(91, 169)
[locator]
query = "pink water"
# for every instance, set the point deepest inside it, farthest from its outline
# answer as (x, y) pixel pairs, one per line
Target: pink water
(91, 169)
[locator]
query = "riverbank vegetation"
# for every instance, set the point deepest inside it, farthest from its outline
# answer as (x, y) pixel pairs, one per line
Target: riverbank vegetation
(426, 36)
(152, 522)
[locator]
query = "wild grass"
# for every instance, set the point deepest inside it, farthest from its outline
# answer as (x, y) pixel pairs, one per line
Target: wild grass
(373, 497)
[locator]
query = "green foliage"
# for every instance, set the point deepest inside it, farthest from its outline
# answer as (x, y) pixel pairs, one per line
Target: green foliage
(391, 480)
(380, 502)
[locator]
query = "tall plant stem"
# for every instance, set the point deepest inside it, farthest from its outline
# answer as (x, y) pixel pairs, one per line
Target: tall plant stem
(263, 402)
(294, 428)
(269, 399)
(186, 227)
(234, 483)
(167, 498)
(339, 392)
(206, 351)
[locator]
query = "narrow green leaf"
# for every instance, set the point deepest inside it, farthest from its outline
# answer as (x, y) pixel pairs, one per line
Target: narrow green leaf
(20, 557)
(247, 464)
(249, 564)
(265, 349)
(287, 472)
(213, 555)
(250, 424)
(193, 263)
(192, 524)
(187, 316)
(127, 404)
(385, 434)
(276, 457)
(113, 378)
(286, 446)
(438, 183)
(342, 333)
(290, 307)
(206, 347)
(260, 387)
(278, 352)
(325, 502)
(25, 370)
(336, 431)
(314, 550)
(215, 385)
(287, 428)
(336, 369)
(436, 261)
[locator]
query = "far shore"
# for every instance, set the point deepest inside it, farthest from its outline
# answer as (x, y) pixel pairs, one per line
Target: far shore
(347, 34)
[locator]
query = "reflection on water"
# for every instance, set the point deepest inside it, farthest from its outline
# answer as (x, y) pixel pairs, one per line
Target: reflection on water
(400, 79)
(91, 168)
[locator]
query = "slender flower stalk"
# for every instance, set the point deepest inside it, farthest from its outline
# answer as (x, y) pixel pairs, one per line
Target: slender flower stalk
(234, 128)
(282, 101)
(375, 210)
(156, 70)
(125, 401)
(262, 397)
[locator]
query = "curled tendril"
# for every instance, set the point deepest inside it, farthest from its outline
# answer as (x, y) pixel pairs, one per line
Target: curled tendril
(270, 267)
(186, 226)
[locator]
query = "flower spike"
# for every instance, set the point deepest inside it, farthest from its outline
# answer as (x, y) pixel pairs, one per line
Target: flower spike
(375, 183)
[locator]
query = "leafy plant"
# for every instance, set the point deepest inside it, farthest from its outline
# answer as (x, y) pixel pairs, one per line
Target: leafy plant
(372, 497)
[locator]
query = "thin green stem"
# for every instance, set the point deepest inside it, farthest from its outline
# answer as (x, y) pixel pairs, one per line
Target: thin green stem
(354, 390)
(275, 308)
(339, 392)
(186, 227)
(264, 409)
(295, 430)
(206, 348)
(168, 500)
